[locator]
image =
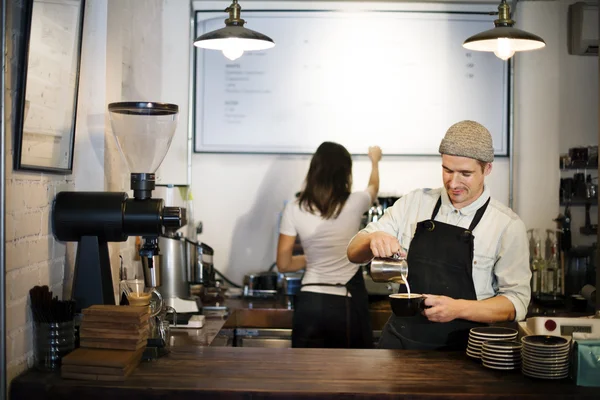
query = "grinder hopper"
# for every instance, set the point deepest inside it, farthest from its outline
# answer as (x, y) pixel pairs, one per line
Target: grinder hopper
(143, 131)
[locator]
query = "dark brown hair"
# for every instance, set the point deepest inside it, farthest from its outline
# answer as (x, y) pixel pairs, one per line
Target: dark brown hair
(482, 164)
(328, 182)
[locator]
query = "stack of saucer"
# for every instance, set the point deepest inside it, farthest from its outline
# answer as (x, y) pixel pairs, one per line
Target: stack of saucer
(545, 357)
(501, 354)
(487, 333)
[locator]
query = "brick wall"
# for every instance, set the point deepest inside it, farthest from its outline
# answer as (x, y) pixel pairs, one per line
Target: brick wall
(120, 61)
(33, 256)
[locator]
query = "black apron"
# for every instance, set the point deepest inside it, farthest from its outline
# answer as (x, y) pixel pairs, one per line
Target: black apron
(440, 262)
(324, 320)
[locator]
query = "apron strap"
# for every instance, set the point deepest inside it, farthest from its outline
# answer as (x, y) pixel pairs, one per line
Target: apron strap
(478, 215)
(476, 218)
(436, 208)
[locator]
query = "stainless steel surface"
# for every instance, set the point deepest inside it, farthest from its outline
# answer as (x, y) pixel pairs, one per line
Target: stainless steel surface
(262, 284)
(272, 327)
(272, 338)
(263, 294)
(191, 257)
(256, 337)
(151, 267)
(3, 363)
(290, 283)
(511, 132)
(199, 259)
(389, 269)
(174, 271)
(378, 288)
(271, 343)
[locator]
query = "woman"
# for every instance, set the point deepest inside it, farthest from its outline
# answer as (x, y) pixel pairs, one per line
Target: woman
(332, 308)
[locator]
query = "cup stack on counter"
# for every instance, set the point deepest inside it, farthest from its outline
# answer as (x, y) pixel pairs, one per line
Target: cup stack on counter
(545, 357)
(479, 336)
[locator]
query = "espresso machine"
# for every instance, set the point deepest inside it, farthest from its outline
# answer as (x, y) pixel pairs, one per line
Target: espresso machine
(143, 131)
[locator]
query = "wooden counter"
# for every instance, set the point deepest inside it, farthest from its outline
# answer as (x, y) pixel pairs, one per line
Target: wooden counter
(193, 371)
(244, 373)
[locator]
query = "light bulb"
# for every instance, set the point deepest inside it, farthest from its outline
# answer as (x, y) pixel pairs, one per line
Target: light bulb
(233, 52)
(504, 49)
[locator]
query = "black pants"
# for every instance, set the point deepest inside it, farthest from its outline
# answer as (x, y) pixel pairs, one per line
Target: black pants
(322, 320)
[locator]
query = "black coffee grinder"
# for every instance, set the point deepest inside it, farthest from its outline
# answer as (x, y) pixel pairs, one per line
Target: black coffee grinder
(143, 131)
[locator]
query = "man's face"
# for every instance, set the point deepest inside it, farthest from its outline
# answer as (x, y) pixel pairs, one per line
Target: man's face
(463, 179)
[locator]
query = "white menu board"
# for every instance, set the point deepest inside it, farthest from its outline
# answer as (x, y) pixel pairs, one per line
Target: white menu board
(395, 79)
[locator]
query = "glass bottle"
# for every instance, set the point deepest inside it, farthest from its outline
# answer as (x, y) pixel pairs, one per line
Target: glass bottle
(552, 272)
(537, 270)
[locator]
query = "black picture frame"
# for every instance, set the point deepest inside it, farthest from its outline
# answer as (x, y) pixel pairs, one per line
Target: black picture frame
(47, 85)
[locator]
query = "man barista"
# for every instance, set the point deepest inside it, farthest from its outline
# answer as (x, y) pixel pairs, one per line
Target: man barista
(466, 251)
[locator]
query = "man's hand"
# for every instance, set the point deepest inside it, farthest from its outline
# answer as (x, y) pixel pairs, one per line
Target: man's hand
(384, 245)
(442, 308)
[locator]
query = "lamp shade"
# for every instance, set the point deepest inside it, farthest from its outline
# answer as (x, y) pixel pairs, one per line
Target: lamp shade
(519, 40)
(504, 40)
(245, 38)
(234, 39)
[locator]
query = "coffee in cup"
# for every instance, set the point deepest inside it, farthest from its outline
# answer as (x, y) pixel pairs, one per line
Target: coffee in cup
(407, 305)
(139, 299)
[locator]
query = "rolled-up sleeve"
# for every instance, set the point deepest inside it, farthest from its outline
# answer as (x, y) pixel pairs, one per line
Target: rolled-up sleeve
(511, 270)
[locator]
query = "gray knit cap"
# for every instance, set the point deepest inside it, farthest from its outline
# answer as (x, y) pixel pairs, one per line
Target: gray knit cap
(468, 139)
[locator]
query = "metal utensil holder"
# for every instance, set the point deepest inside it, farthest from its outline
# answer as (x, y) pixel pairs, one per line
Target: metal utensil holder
(53, 341)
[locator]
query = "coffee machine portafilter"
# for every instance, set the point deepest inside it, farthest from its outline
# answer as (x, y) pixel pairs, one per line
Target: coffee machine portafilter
(143, 131)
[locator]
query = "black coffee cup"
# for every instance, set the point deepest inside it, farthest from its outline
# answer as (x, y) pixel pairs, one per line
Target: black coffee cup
(405, 305)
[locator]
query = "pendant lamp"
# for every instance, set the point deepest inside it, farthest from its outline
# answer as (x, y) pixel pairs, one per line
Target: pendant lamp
(504, 40)
(234, 39)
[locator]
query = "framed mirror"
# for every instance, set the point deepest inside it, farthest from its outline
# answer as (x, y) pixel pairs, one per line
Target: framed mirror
(44, 131)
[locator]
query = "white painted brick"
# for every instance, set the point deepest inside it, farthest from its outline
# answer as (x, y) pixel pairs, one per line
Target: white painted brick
(27, 176)
(10, 227)
(20, 343)
(66, 186)
(44, 273)
(16, 197)
(57, 290)
(11, 205)
(20, 281)
(57, 269)
(40, 249)
(17, 255)
(36, 196)
(18, 314)
(46, 224)
(59, 249)
(28, 224)
(8, 154)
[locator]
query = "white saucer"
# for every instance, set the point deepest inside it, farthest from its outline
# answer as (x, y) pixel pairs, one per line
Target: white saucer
(549, 361)
(544, 375)
(501, 368)
(493, 331)
(473, 355)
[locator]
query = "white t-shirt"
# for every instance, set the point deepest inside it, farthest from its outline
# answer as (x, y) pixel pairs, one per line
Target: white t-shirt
(324, 241)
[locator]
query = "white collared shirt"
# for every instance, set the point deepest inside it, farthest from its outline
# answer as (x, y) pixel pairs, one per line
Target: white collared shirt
(501, 253)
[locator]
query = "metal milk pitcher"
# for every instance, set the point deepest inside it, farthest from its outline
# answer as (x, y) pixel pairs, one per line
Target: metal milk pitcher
(389, 269)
